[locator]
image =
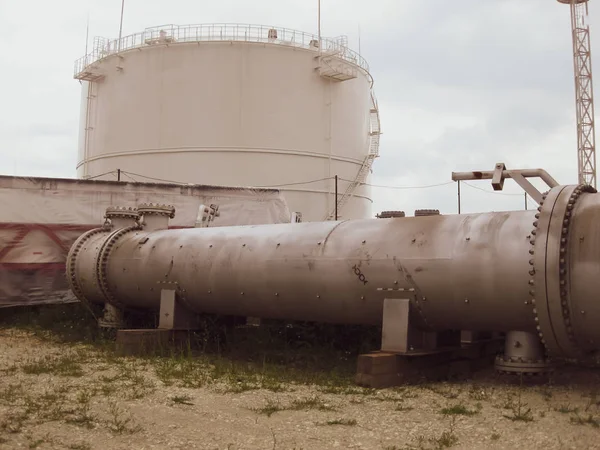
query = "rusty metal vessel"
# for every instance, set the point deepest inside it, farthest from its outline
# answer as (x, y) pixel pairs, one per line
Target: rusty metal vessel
(534, 275)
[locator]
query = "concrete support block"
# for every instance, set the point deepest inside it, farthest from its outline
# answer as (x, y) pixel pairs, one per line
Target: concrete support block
(387, 369)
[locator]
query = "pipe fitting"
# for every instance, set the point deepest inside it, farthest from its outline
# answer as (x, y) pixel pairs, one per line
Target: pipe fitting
(523, 354)
(121, 216)
(155, 216)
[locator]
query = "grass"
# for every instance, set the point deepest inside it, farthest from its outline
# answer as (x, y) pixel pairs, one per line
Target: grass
(458, 410)
(593, 400)
(401, 407)
(276, 357)
(304, 404)
(273, 357)
(192, 370)
(66, 323)
(566, 409)
(48, 406)
(479, 393)
(269, 409)
(311, 403)
(35, 443)
(589, 420)
(447, 439)
(443, 390)
(519, 409)
(63, 403)
(344, 422)
(11, 393)
(346, 390)
(182, 400)
(13, 422)
(546, 392)
(520, 412)
(61, 365)
(81, 415)
(185, 372)
(126, 379)
(120, 421)
(80, 446)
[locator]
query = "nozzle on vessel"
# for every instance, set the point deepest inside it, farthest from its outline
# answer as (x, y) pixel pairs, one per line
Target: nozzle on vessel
(155, 216)
(121, 216)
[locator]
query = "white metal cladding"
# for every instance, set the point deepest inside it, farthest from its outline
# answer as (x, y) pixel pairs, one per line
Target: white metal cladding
(227, 105)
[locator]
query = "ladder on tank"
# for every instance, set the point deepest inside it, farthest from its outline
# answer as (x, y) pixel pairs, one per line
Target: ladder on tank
(365, 168)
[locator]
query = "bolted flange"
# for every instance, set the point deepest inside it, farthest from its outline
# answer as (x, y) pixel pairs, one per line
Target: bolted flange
(551, 266)
(523, 354)
(122, 212)
(522, 366)
(121, 216)
(155, 209)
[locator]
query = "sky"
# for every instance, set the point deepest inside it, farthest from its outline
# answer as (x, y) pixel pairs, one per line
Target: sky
(461, 84)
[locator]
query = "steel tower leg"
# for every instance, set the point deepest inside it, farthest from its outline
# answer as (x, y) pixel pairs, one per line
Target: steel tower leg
(586, 136)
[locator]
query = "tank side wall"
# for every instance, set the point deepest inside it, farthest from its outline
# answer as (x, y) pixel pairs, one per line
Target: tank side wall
(236, 114)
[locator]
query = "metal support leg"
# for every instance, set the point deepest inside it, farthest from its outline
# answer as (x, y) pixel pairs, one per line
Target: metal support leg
(173, 315)
(395, 331)
(398, 336)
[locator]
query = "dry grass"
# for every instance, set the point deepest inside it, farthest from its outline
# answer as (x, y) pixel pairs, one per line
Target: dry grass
(60, 391)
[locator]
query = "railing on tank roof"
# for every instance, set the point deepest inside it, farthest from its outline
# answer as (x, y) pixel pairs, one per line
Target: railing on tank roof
(167, 34)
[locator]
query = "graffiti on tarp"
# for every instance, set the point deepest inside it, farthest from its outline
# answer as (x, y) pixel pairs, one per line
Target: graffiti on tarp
(32, 262)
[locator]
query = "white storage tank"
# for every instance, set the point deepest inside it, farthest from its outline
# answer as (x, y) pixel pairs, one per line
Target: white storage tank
(233, 105)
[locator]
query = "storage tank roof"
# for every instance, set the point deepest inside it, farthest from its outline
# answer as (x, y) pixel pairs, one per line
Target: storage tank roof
(217, 32)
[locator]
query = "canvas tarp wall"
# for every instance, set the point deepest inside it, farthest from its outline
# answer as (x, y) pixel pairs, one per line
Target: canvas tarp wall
(40, 218)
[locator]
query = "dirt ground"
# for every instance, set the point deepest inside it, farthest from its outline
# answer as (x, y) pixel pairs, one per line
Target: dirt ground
(75, 396)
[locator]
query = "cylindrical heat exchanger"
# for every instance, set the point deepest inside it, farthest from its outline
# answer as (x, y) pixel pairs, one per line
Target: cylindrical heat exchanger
(536, 272)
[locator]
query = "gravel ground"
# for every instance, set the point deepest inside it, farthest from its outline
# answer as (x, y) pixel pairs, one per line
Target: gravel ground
(78, 397)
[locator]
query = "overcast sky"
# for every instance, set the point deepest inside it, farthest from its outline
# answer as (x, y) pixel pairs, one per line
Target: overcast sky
(461, 84)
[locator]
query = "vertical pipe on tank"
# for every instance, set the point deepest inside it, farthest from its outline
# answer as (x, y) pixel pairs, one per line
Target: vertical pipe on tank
(330, 145)
(121, 25)
(86, 130)
(319, 24)
(458, 196)
(336, 197)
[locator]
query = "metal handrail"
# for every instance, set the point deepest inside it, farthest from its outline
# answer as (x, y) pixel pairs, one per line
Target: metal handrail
(172, 34)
